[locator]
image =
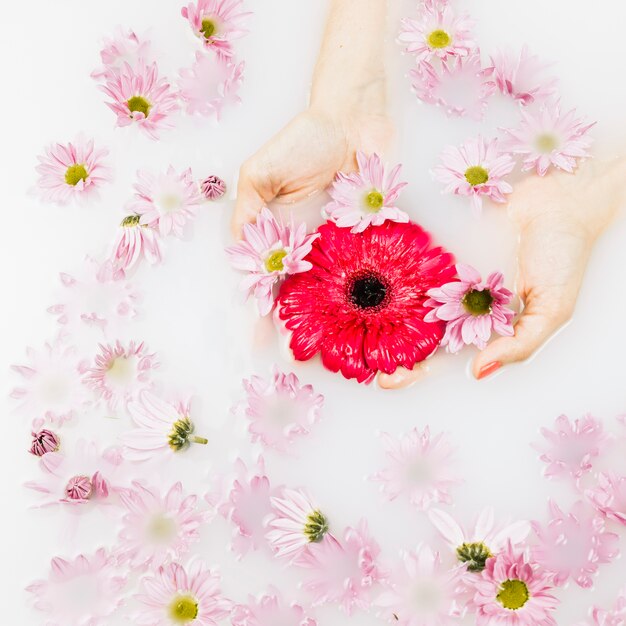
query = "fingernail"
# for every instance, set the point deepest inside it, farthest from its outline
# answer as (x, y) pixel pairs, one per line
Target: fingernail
(488, 369)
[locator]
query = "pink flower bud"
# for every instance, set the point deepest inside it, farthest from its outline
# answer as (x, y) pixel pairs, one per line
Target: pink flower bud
(213, 187)
(78, 488)
(44, 441)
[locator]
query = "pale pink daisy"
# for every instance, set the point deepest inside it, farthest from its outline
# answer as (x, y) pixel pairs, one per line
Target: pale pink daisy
(166, 202)
(72, 172)
(270, 609)
(83, 591)
(162, 427)
(140, 97)
(120, 372)
(609, 496)
(513, 591)
(569, 449)
(459, 85)
(471, 308)
(280, 409)
(615, 616)
(418, 467)
(367, 197)
(210, 84)
(476, 169)
(44, 441)
(473, 547)
(175, 595)
(124, 47)
(421, 591)
(439, 32)
(522, 76)
(345, 572)
(50, 387)
(547, 137)
(295, 523)
(157, 528)
(268, 252)
(216, 22)
(134, 242)
(213, 187)
(572, 545)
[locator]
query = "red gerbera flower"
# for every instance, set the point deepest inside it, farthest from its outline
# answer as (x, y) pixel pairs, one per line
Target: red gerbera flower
(362, 303)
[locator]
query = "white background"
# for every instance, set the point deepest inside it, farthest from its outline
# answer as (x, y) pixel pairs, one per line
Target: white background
(204, 338)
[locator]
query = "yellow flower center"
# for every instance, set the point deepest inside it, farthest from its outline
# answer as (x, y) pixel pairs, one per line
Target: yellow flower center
(374, 201)
(476, 175)
(474, 555)
(478, 301)
(183, 609)
(439, 39)
(316, 526)
(75, 173)
(161, 529)
(131, 220)
(208, 28)
(181, 436)
(138, 104)
(546, 143)
(274, 262)
(513, 594)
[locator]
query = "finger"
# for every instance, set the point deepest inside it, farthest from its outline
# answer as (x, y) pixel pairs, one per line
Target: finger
(253, 193)
(402, 377)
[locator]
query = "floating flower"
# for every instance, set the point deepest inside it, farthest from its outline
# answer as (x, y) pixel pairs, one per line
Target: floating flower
(280, 409)
(121, 372)
(80, 591)
(475, 169)
(134, 242)
(548, 137)
(418, 467)
(72, 172)
(343, 571)
(269, 251)
(460, 85)
(609, 496)
(166, 202)
(157, 529)
(421, 591)
(210, 84)
(362, 304)
(125, 47)
(216, 22)
(571, 447)
(471, 309)
(572, 545)
(176, 595)
(161, 427)
(438, 33)
(44, 441)
(513, 591)
(522, 76)
(51, 386)
(213, 187)
(296, 522)
(474, 547)
(615, 616)
(140, 97)
(270, 609)
(366, 198)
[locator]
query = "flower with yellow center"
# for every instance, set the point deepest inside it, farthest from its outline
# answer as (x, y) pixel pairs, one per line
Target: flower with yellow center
(138, 104)
(75, 173)
(474, 555)
(274, 262)
(208, 28)
(374, 201)
(439, 39)
(183, 609)
(513, 594)
(476, 175)
(546, 143)
(477, 301)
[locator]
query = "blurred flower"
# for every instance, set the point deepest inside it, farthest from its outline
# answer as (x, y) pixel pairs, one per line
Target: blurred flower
(609, 496)
(616, 616)
(270, 609)
(124, 47)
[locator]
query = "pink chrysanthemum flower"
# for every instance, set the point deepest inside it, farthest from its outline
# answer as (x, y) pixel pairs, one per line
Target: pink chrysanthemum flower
(157, 529)
(615, 616)
(344, 571)
(51, 386)
(162, 427)
(474, 547)
(366, 198)
(216, 22)
(121, 372)
(166, 201)
(513, 591)
(270, 609)
(96, 297)
(438, 32)
(522, 76)
(44, 441)
(421, 591)
(460, 86)
(124, 47)
(79, 592)
(269, 251)
(210, 84)
(418, 467)
(471, 309)
(571, 447)
(280, 409)
(175, 595)
(140, 97)
(548, 137)
(475, 169)
(213, 187)
(134, 242)
(609, 496)
(71, 172)
(295, 523)
(572, 545)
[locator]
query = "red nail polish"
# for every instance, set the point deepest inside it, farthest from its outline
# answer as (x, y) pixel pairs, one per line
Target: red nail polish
(488, 369)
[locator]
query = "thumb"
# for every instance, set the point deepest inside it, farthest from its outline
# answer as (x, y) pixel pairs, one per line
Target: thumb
(254, 191)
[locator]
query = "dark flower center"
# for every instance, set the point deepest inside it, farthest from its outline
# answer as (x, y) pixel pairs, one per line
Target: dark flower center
(478, 301)
(474, 554)
(368, 292)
